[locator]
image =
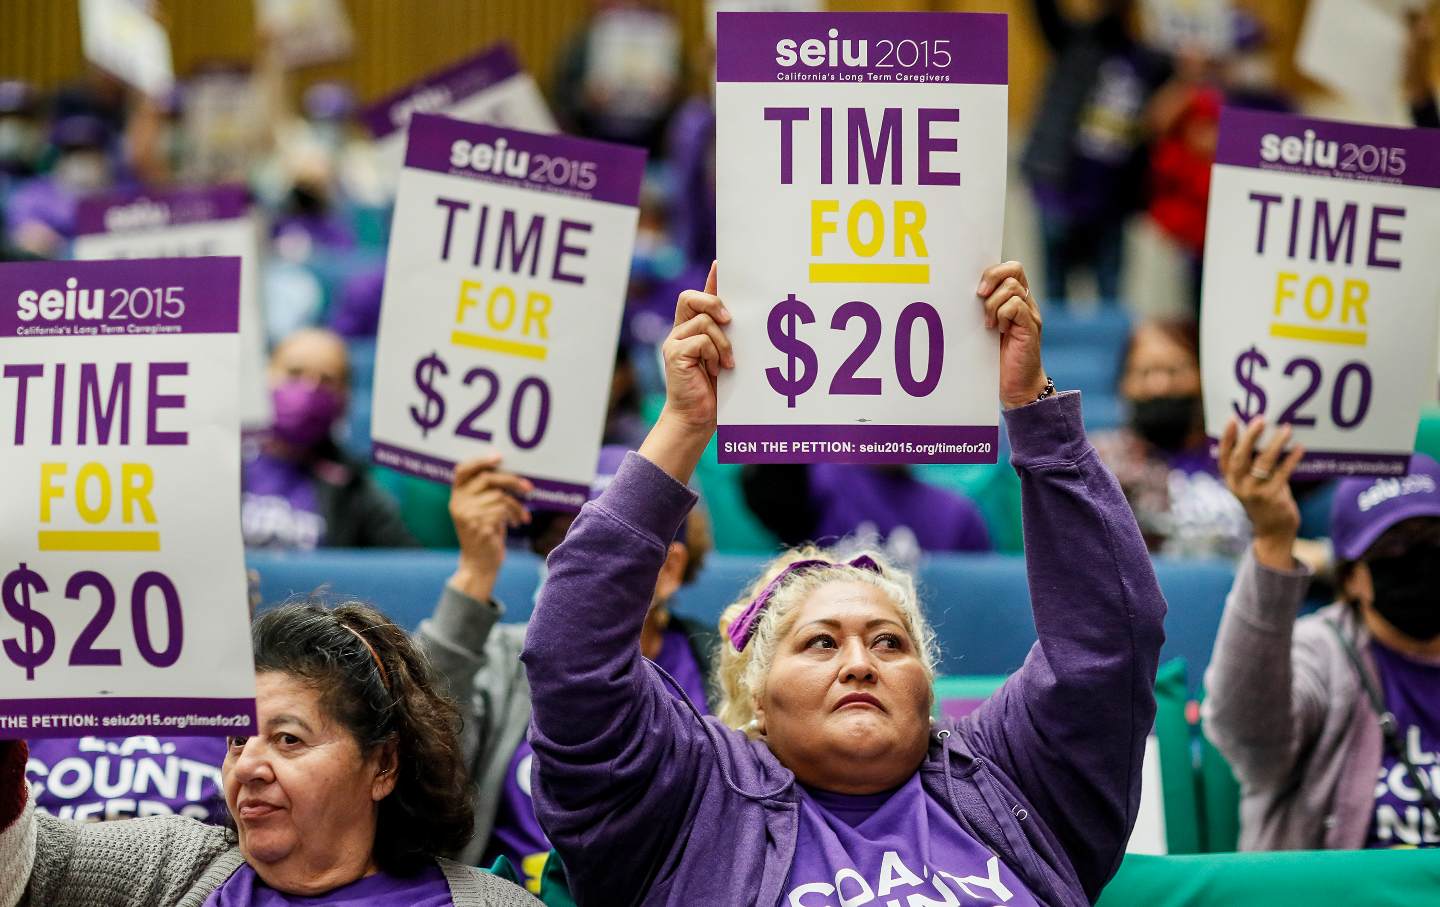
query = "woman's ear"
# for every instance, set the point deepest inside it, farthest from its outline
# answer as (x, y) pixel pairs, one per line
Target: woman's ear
(387, 771)
(758, 708)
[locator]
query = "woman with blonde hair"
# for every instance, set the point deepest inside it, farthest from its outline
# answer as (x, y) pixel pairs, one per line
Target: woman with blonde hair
(824, 780)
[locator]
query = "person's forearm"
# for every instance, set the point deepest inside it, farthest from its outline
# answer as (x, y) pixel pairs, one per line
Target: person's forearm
(675, 447)
(1252, 712)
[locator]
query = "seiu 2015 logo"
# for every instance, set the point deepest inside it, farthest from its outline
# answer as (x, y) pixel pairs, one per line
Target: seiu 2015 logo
(55, 304)
(428, 100)
(1294, 149)
(483, 158)
(137, 215)
(815, 52)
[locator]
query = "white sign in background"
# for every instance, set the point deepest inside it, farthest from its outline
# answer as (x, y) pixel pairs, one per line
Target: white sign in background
(483, 347)
(239, 237)
(123, 598)
(121, 38)
(841, 247)
(1322, 292)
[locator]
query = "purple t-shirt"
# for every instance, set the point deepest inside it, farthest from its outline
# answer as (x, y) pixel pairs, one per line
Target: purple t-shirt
(1412, 694)
(517, 834)
(427, 889)
(278, 504)
(895, 508)
(894, 848)
(105, 778)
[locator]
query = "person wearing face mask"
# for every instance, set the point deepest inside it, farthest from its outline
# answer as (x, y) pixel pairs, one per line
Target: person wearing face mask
(1161, 457)
(823, 779)
(478, 658)
(41, 213)
(1331, 722)
(299, 489)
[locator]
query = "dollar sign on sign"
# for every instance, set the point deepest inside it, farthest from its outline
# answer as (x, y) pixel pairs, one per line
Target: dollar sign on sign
(425, 371)
(783, 325)
(16, 592)
(1245, 366)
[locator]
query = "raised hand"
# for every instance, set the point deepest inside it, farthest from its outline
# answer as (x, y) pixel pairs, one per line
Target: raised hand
(1261, 482)
(484, 504)
(695, 352)
(1011, 309)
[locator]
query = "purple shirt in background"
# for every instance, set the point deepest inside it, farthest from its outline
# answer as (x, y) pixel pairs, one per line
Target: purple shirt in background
(426, 889)
(106, 778)
(42, 200)
(901, 510)
(278, 504)
(1412, 694)
(892, 848)
(517, 834)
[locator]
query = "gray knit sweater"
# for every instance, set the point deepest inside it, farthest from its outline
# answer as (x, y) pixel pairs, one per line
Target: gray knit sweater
(166, 861)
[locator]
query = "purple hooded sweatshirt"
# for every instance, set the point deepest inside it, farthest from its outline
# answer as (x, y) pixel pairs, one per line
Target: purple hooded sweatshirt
(648, 802)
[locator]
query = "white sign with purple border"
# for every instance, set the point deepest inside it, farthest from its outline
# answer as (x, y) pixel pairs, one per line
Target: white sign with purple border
(489, 87)
(505, 282)
(123, 600)
(189, 223)
(861, 189)
(1322, 286)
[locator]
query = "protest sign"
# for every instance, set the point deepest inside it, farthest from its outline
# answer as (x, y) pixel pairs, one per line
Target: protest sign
(504, 286)
(1322, 285)
(120, 37)
(189, 223)
(307, 31)
(1356, 48)
(1207, 26)
(489, 87)
(861, 186)
(123, 605)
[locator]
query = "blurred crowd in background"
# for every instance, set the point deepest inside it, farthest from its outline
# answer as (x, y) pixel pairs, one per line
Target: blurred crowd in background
(1118, 140)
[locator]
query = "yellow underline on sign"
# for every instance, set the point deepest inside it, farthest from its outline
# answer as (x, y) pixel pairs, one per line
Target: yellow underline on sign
(1319, 335)
(496, 345)
(866, 273)
(99, 540)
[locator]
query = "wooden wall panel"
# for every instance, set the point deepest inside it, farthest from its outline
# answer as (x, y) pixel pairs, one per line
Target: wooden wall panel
(400, 40)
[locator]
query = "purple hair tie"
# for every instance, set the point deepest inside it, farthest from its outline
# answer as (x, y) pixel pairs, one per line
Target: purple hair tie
(743, 627)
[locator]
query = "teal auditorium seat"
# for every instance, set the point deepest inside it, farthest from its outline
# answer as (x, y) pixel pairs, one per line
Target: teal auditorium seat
(979, 603)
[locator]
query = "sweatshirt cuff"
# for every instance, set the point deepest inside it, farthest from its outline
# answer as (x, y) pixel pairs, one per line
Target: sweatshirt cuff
(646, 498)
(1270, 599)
(1047, 431)
(13, 790)
(462, 620)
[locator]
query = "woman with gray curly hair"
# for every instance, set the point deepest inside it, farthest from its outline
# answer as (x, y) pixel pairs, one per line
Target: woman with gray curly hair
(348, 793)
(824, 781)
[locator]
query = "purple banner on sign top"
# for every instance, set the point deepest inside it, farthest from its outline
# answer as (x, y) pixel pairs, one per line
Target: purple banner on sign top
(870, 48)
(134, 296)
(134, 210)
(583, 168)
(436, 92)
(1342, 151)
(548, 495)
(125, 716)
(858, 443)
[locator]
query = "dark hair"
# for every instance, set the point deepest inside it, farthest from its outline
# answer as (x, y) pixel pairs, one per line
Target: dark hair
(429, 812)
(1183, 332)
(1397, 541)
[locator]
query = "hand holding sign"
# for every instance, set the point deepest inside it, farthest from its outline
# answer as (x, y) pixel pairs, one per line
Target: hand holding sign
(1011, 309)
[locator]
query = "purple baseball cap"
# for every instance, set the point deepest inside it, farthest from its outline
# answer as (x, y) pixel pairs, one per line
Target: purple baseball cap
(1364, 508)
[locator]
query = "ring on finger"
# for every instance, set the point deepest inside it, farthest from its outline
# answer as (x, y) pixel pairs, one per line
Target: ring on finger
(1262, 474)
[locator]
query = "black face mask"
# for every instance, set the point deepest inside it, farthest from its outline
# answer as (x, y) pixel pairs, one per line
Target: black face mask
(1407, 591)
(306, 201)
(1165, 422)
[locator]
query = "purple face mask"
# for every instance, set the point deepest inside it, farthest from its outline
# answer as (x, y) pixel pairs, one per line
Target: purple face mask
(304, 412)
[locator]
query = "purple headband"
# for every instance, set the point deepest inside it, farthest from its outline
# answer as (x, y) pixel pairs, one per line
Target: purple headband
(743, 627)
